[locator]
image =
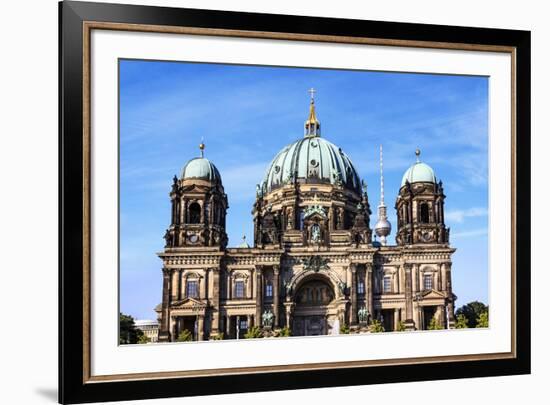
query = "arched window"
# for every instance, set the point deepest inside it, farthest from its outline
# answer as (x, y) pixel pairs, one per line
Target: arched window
(424, 213)
(194, 213)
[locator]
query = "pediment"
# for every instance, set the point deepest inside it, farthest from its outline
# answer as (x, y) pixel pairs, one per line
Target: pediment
(427, 294)
(188, 303)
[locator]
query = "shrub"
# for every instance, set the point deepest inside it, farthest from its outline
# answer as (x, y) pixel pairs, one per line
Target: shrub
(344, 329)
(185, 336)
(285, 332)
(434, 324)
(376, 326)
(254, 333)
(217, 336)
(143, 339)
(483, 320)
(461, 322)
(400, 326)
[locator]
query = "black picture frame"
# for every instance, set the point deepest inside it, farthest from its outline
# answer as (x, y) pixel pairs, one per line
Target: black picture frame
(73, 387)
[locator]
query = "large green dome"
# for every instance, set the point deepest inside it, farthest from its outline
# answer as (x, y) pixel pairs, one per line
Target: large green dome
(311, 160)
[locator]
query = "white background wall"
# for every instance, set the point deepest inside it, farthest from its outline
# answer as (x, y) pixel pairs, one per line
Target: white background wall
(28, 184)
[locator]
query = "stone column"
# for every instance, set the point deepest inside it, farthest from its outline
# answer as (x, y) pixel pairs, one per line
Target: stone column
(353, 294)
(183, 211)
(288, 313)
(229, 286)
(276, 295)
(203, 208)
(174, 328)
(249, 321)
(200, 327)
(449, 288)
(409, 322)
(396, 318)
(227, 326)
(370, 291)
(401, 273)
(259, 294)
(164, 333)
(173, 201)
(177, 285)
(215, 300)
(419, 317)
(443, 272)
(415, 278)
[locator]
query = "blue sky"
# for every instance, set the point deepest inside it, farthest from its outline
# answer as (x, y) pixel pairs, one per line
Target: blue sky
(246, 114)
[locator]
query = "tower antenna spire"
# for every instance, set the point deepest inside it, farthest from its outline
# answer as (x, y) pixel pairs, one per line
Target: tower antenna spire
(383, 226)
(381, 176)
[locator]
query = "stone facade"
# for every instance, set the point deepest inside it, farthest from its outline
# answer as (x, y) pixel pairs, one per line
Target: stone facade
(313, 266)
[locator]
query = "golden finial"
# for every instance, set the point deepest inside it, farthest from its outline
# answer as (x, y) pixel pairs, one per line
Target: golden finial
(201, 147)
(312, 124)
(417, 153)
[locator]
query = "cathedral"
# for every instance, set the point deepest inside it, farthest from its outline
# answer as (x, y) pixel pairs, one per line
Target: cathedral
(315, 267)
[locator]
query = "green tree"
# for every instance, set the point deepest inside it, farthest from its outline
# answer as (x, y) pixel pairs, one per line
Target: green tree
(483, 320)
(434, 324)
(461, 322)
(376, 326)
(254, 333)
(129, 334)
(143, 339)
(185, 336)
(471, 311)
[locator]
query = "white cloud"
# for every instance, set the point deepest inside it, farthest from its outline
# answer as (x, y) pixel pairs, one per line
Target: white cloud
(458, 216)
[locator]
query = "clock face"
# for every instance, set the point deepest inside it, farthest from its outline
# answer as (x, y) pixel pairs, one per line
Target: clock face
(193, 238)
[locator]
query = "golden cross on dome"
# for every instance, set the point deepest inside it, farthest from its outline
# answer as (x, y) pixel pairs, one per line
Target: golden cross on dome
(312, 92)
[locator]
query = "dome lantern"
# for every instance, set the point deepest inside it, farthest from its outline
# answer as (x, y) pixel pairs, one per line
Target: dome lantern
(312, 126)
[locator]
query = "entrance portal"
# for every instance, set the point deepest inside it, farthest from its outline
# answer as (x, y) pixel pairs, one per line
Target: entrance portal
(311, 314)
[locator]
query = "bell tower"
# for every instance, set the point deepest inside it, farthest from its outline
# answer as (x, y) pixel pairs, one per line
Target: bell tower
(199, 206)
(420, 207)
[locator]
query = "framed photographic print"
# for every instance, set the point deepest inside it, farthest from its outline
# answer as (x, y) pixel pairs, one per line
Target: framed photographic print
(256, 202)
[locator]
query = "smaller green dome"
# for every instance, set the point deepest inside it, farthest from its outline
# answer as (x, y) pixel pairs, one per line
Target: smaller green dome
(201, 168)
(418, 173)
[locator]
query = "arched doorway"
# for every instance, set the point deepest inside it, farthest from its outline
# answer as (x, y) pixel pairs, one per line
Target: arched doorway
(314, 307)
